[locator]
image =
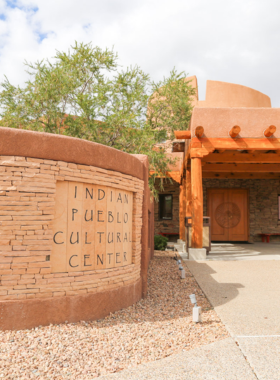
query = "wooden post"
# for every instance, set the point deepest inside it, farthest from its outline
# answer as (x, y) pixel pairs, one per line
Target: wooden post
(182, 208)
(181, 211)
(197, 203)
(188, 193)
(188, 211)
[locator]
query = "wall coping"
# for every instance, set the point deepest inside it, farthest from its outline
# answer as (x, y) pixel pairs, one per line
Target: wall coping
(19, 142)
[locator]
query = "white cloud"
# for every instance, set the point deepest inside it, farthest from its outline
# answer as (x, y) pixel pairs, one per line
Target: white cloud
(229, 41)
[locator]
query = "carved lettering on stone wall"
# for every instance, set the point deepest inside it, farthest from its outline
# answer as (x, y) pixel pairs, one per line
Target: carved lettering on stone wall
(92, 228)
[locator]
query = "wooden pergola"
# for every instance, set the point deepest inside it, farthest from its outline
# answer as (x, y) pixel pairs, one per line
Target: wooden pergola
(232, 143)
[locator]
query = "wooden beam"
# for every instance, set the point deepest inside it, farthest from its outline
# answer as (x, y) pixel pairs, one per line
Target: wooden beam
(200, 152)
(178, 147)
(220, 175)
(269, 131)
(234, 131)
(197, 203)
(199, 132)
(212, 144)
(241, 168)
(182, 135)
(236, 157)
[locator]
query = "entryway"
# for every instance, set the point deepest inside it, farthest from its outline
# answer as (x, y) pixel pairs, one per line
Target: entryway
(228, 210)
(236, 252)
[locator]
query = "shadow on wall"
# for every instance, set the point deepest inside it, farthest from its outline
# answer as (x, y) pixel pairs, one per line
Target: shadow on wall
(218, 293)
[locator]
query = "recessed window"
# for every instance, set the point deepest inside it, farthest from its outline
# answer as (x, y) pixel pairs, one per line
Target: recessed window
(165, 206)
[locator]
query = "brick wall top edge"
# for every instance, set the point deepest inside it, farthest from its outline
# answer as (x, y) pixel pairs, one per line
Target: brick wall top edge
(18, 142)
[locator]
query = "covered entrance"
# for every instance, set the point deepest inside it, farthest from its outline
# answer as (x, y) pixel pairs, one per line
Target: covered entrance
(231, 168)
(234, 180)
(228, 210)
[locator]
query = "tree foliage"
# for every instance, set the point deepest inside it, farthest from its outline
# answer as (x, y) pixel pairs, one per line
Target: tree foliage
(82, 93)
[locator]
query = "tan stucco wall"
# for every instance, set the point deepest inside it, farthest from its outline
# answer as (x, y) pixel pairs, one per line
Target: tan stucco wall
(217, 122)
(223, 94)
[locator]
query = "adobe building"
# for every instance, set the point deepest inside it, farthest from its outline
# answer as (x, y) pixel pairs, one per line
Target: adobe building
(229, 169)
(76, 226)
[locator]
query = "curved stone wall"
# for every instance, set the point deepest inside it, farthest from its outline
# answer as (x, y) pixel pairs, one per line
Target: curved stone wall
(70, 232)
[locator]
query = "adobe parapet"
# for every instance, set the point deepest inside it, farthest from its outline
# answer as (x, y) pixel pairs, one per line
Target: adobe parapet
(223, 94)
(72, 240)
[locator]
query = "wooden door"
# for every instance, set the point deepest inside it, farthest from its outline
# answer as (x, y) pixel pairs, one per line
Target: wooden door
(217, 198)
(228, 209)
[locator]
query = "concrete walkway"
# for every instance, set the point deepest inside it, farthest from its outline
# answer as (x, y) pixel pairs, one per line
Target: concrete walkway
(245, 293)
(242, 282)
(222, 360)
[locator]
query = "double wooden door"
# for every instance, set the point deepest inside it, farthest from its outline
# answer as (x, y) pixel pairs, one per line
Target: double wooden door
(228, 209)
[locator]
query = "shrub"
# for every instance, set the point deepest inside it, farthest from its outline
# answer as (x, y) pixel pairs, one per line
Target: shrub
(160, 242)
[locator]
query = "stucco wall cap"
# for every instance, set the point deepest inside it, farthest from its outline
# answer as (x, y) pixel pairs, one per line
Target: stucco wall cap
(18, 142)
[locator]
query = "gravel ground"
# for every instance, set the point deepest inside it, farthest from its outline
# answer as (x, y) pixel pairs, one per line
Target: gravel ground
(152, 329)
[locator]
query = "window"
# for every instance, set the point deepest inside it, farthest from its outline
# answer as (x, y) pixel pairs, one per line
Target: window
(165, 206)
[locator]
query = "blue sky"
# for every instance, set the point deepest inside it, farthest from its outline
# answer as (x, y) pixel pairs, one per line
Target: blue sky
(235, 41)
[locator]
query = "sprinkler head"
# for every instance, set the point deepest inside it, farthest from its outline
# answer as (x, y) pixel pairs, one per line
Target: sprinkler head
(193, 299)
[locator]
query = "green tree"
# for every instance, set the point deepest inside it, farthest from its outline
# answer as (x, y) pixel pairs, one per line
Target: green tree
(82, 93)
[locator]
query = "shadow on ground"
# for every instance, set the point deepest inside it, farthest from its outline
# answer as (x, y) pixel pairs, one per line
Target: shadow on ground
(224, 292)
